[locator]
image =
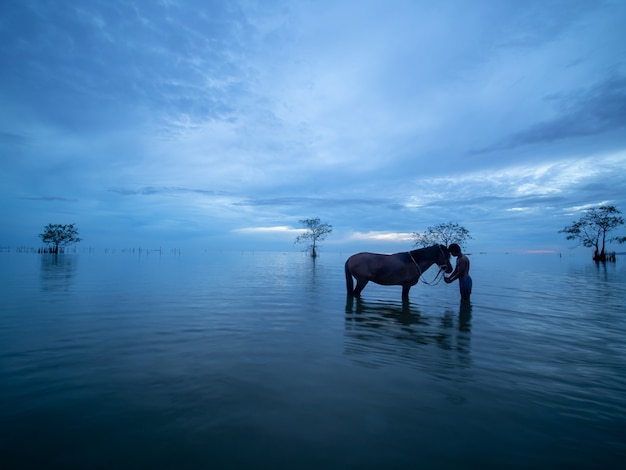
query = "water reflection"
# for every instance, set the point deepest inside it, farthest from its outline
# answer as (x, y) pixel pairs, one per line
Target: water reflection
(386, 332)
(57, 271)
(602, 283)
(465, 316)
(604, 271)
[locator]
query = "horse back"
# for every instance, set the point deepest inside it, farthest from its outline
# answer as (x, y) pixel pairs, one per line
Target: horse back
(381, 268)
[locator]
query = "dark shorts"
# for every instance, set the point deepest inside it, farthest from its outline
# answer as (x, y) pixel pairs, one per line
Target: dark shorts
(465, 285)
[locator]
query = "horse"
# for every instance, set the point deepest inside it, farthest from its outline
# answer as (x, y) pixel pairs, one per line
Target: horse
(400, 269)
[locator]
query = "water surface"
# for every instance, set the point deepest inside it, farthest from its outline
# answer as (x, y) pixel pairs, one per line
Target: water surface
(258, 360)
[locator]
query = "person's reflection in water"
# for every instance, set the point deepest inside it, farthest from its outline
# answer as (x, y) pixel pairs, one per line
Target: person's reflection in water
(459, 341)
(465, 316)
(464, 337)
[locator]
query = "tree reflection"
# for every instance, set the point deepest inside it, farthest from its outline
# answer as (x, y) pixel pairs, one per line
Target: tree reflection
(57, 271)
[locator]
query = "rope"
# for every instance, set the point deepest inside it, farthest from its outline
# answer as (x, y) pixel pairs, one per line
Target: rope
(436, 278)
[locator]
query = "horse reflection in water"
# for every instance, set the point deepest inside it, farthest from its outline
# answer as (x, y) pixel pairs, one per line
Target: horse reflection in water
(387, 332)
(400, 269)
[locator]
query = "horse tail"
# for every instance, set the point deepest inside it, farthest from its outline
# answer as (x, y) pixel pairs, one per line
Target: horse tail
(349, 280)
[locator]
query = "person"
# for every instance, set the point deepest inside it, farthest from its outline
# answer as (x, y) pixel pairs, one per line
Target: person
(461, 272)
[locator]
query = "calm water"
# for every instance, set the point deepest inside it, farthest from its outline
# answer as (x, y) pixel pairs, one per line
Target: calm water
(256, 360)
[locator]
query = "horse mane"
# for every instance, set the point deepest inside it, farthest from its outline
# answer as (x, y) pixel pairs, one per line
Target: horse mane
(416, 253)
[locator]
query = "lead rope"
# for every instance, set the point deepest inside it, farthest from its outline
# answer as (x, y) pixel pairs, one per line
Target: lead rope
(437, 277)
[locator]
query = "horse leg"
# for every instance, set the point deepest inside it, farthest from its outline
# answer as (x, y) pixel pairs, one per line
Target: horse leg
(405, 291)
(360, 284)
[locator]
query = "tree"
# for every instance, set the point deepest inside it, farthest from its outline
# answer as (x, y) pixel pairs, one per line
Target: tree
(592, 229)
(58, 235)
(315, 232)
(442, 233)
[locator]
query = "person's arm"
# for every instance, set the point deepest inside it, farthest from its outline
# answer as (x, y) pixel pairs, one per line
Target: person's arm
(460, 269)
(452, 277)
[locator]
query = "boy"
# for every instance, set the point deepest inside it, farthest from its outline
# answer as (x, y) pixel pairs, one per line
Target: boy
(461, 272)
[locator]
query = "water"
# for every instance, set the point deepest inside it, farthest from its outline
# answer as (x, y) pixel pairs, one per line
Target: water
(257, 360)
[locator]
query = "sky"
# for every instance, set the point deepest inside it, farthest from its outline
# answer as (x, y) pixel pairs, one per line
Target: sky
(221, 124)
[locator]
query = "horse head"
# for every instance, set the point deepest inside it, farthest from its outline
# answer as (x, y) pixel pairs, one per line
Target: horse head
(444, 260)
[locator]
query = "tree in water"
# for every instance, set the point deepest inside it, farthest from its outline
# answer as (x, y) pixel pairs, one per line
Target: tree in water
(442, 233)
(316, 231)
(592, 229)
(59, 236)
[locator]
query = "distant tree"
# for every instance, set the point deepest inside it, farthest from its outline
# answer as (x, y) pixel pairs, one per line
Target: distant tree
(316, 231)
(445, 234)
(57, 235)
(592, 229)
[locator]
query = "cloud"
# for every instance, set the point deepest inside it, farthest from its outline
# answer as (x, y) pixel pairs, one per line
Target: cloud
(299, 201)
(584, 207)
(549, 179)
(382, 236)
(12, 139)
(582, 112)
(201, 118)
(51, 198)
(280, 229)
(155, 190)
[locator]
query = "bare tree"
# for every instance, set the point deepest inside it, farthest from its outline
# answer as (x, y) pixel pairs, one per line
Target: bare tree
(592, 229)
(59, 235)
(316, 231)
(445, 234)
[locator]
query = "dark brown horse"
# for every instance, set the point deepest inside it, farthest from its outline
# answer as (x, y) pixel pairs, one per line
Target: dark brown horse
(400, 269)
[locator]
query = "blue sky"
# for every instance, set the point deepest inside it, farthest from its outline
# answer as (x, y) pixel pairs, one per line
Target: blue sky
(221, 124)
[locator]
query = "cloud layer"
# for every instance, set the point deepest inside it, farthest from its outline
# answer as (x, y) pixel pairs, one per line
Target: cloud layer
(222, 124)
